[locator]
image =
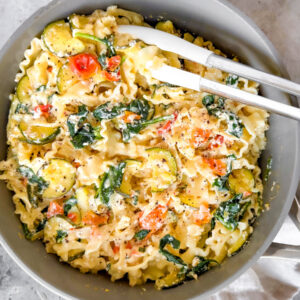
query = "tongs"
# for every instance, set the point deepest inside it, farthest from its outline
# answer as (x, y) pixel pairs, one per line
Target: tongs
(185, 49)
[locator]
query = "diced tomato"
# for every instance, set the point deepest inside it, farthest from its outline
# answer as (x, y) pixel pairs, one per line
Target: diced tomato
(202, 215)
(246, 194)
(116, 249)
(217, 165)
(49, 68)
(84, 65)
(73, 216)
(129, 116)
(43, 109)
(76, 164)
(96, 231)
(167, 126)
(200, 136)
(90, 218)
(54, 209)
(113, 62)
(216, 142)
(128, 246)
(154, 219)
(114, 76)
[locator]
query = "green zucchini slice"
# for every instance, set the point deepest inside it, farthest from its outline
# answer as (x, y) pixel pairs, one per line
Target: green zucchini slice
(60, 174)
(37, 134)
(24, 89)
(164, 168)
(57, 37)
(65, 79)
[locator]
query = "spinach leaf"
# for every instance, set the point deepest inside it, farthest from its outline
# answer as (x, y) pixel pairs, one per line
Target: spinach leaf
(75, 121)
(202, 266)
(26, 231)
(108, 111)
(97, 133)
(40, 226)
(235, 125)
(268, 170)
(69, 204)
(22, 109)
(102, 61)
(213, 108)
(141, 234)
(131, 129)
(83, 137)
(60, 236)
(110, 181)
(169, 239)
(228, 213)
(36, 184)
(221, 182)
(76, 256)
(158, 86)
(38, 230)
(216, 108)
(232, 80)
(140, 107)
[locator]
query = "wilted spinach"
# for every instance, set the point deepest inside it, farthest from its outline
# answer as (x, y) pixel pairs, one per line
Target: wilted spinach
(221, 182)
(232, 80)
(202, 266)
(158, 86)
(230, 212)
(60, 236)
(141, 234)
(108, 111)
(110, 181)
(235, 125)
(22, 109)
(69, 204)
(35, 186)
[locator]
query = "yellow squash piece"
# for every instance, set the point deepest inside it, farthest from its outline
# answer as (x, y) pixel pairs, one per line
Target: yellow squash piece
(65, 79)
(241, 180)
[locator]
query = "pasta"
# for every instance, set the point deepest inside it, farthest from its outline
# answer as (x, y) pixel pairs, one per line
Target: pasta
(114, 170)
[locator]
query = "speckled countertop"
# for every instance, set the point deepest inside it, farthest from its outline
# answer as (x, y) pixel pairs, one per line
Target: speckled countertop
(279, 19)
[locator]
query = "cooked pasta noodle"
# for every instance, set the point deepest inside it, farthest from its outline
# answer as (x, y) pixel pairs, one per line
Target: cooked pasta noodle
(114, 170)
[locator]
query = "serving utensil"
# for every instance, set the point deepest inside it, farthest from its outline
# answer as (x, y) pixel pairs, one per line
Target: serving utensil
(185, 49)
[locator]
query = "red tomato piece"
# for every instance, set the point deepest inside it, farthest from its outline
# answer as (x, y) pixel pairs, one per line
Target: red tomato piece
(216, 142)
(246, 194)
(90, 218)
(200, 136)
(73, 216)
(84, 65)
(154, 220)
(54, 209)
(43, 109)
(167, 126)
(217, 165)
(113, 62)
(112, 76)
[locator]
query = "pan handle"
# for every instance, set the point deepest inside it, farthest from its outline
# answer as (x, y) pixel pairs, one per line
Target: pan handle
(284, 251)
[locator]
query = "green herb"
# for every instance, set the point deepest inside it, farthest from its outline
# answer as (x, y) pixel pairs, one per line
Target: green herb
(31, 236)
(36, 184)
(221, 182)
(213, 107)
(229, 212)
(110, 181)
(169, 239)
(232, 80)
(60, 236)
(69, 204)
(26, 231)
(268, 170)
(141, 234)
(41, 88)
(97, 132)
(108, 42)
(142, 249)
(22, 109)
(40, 226)
(102, 61)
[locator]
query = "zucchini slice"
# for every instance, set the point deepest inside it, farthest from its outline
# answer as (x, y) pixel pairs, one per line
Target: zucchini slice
(65, 79)
(241, 180)
(24, 89)
(37, 134)
(53, 224)
(60, 174)
(164, 168)
(132, 166)
(57, 37)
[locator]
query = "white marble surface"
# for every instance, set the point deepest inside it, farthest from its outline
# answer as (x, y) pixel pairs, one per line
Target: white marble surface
(279, 19)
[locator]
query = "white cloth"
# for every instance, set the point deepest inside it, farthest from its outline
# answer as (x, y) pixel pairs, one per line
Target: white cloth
(268, 279)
